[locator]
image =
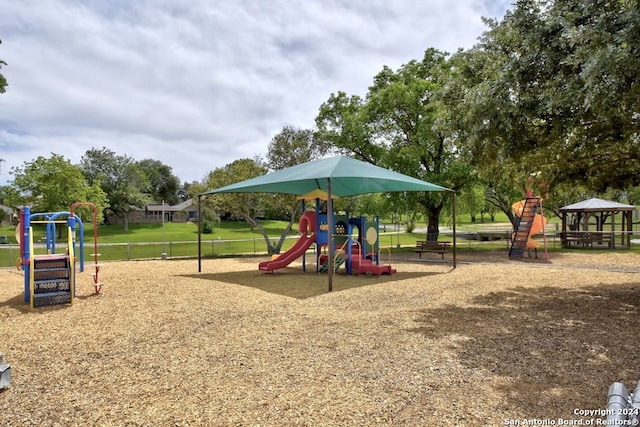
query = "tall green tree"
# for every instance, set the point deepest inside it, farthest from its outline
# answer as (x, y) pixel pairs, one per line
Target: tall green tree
(188, 191)
(9, 195)
(53, 184)
(476, 116)
(472, 201)
(559, 91)
(162, 184)
(120, 177)
(208, 214)
(402, 125)
(291, 146)
(344, 128)
(248, 206)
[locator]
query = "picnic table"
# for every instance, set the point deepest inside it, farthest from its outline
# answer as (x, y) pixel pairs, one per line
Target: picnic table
(586, 238)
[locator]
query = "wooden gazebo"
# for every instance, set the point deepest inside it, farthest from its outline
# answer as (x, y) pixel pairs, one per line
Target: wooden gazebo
(579, 220)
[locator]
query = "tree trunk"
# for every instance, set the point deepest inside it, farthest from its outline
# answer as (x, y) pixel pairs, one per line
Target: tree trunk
(433, 230)
(272, 248)
(503, 204)
(125, 222)
(278, 247)
(433, 221)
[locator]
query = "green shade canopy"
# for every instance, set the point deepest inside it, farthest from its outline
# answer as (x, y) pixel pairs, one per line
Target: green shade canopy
(347, 176)
(337, 176)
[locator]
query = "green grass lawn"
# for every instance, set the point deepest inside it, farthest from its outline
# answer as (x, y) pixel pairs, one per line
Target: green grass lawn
(230, 239)
(178, 240)
(168, 232)
(151, 240)
(228, 230)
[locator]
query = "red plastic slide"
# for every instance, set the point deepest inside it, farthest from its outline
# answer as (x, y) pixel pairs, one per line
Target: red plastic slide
(307, 225)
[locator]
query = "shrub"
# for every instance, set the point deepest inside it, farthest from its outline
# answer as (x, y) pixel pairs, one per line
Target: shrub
(207, 227)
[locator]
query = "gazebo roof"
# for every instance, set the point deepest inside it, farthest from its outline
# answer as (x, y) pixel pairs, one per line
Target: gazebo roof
(597, 205)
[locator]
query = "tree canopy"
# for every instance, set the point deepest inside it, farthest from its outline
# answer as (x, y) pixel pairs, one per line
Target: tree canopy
(53, 184)
(401, 125)
(245, 205)
(120, 177)
(290, 147)
(161, 183)
(558, 90)
(549, 94)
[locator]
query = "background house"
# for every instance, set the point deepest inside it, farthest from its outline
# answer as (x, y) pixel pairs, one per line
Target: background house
(7, 215)
(186, 211)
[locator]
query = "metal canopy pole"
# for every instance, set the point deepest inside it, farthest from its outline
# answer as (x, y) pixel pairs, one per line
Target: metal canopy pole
(454, 229)
(330, 234)
(199, 234)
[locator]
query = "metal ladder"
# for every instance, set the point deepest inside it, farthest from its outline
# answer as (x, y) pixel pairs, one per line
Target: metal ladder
(522, 227)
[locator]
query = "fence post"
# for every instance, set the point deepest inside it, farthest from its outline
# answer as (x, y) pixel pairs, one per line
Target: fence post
(128, 251)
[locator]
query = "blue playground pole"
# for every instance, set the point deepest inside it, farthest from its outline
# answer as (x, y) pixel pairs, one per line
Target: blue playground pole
(71, 222)
(50, 235)
(26, 214)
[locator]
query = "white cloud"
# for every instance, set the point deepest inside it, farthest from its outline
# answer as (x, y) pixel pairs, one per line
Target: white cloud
(200, 84)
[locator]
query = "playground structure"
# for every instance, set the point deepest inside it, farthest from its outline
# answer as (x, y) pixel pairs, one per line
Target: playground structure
(360, 255)
(50, 278)
(528, 223)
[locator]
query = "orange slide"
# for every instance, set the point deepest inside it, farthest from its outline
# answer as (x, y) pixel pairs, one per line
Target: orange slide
(307, 225)
(539, 221)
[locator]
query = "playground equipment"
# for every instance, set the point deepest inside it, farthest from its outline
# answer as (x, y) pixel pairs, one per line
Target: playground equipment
(528, 223)
(623, 408)
(5, 374)
(360, 255)
(50, 278)
(307, 225)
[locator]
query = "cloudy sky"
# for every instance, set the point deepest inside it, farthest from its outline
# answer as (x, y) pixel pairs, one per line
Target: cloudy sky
(198, 84)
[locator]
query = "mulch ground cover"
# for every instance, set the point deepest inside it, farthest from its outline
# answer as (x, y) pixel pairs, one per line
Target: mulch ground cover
(491, 342)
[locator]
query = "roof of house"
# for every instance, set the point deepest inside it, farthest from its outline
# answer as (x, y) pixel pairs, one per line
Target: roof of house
(159, 207)
(7, 210)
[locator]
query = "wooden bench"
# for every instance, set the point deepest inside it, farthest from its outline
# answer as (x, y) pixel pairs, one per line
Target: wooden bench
(588, 239)
(601, 238)
(423, 246)
(579, 238)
